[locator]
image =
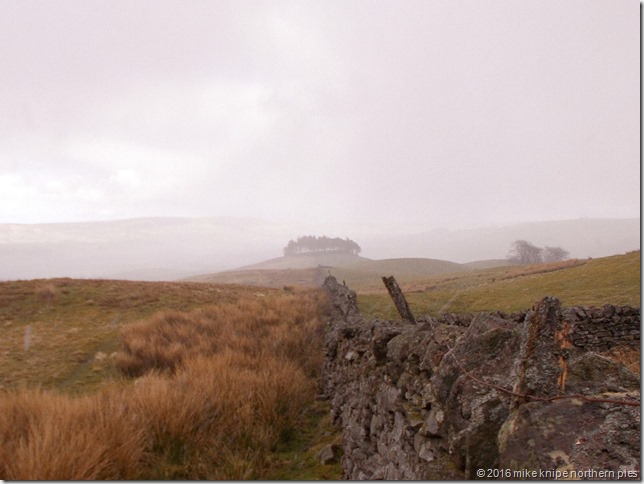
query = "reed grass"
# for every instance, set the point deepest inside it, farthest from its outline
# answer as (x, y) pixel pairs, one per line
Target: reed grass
(217, 390)
(48, 436)
(629, 357)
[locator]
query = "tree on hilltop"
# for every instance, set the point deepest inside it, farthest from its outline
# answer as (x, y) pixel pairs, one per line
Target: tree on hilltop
(523, 252)
(554, 254)
(311, 244)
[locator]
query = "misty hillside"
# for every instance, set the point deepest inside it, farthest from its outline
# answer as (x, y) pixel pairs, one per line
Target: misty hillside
(369, 273)
(307, 261)
(137, 249)
(174, 248)
(310, 270)
(582, 238)
(299, 270)
(416, 266)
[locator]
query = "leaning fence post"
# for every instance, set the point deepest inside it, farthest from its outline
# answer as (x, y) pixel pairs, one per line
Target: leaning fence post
(398, 298)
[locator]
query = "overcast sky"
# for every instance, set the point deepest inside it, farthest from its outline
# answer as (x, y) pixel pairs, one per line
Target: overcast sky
(438, 113)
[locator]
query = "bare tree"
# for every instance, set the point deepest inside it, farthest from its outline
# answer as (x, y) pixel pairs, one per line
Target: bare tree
(554, 254)
(523, 252)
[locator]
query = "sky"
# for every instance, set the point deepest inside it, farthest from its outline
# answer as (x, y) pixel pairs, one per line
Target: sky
(432, 113)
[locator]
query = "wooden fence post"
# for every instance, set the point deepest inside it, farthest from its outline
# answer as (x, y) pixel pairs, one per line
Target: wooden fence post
(399, 299)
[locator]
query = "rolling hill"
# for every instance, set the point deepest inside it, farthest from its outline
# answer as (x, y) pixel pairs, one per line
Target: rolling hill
(369, 273)
(292, 270)
(307, 261)
(358, 272)
(593, 282)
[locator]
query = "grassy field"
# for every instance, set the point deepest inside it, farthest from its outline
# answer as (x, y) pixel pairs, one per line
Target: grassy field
(53, 330)
(127, 380)
(367, 274)
(591, 282)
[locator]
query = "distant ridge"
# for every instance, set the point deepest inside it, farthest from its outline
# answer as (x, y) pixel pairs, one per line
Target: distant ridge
(369, 273)
(486, 264)
(290, 270)
(582, 238)
(155, 248)
(167, 248)
(306, 261)
(310, 269)
(415, 266)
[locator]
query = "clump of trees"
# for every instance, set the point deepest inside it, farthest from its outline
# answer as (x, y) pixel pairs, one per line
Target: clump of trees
(310, 244)
(523, 252)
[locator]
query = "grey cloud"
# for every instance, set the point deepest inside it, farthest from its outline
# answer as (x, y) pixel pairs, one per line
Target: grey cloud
(441, 112)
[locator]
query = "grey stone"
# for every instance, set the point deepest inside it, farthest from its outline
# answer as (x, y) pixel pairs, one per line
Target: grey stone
(329, 454)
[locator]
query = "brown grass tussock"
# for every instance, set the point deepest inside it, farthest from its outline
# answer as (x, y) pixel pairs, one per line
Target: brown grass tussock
(218, 389)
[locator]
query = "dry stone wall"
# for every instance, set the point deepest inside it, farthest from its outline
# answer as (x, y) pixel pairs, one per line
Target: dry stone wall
(599, 329)
(451, 397)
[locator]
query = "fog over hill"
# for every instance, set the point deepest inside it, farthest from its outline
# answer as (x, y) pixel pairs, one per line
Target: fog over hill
(173, 248)
(143, 249)
(582, 238)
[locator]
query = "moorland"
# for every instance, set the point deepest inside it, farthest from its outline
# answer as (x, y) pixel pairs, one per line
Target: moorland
(212, 380)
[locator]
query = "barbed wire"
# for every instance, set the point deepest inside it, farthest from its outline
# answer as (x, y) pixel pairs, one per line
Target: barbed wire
(632, 403)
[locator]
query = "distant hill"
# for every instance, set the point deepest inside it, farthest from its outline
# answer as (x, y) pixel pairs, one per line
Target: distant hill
(582, 238)
(370, 273)
(416, 266)
(487, 264)
(291, 270)
(137, 249)
(306, 261)
(356, 271)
